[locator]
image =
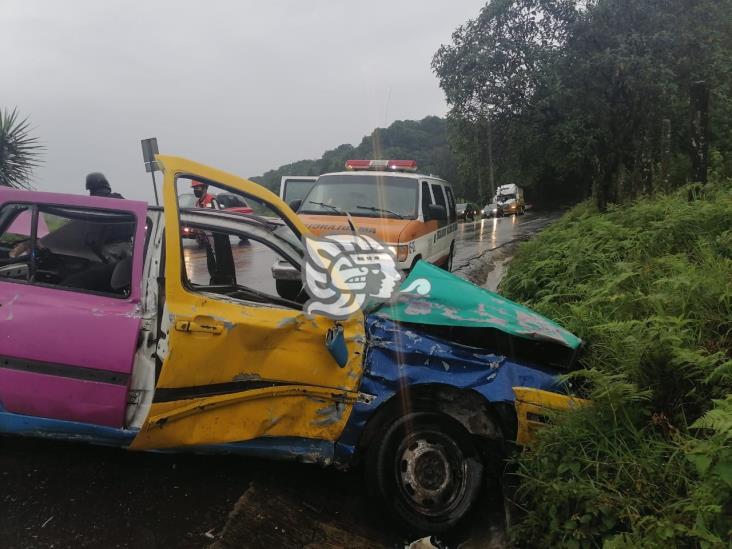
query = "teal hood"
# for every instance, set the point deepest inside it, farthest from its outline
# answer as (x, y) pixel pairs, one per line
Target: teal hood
(431, 295)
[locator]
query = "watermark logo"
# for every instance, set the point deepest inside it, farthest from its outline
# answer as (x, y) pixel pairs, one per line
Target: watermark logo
(343, 271)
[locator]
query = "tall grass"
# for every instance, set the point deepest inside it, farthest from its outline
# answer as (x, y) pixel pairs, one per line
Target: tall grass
(649, 288)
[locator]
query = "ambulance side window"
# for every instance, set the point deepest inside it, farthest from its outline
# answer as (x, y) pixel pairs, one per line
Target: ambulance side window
(451, 205)
(440, 201)
(426, 197)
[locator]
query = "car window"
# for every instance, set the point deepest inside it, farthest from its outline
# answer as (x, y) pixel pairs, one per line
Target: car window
(426, 197)
(439, 195)
(82, 249)
(296, 189)
(230, 201)
(451, 210)
(232, 254)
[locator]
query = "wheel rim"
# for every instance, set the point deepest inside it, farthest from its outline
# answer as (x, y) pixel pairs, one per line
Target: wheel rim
(431, 473)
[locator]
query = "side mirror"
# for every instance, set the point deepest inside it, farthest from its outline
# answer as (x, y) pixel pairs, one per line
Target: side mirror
(435, 211)
(295, 204)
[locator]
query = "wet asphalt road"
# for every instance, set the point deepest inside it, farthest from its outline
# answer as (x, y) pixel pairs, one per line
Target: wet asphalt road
(55, 494)
(254, 261)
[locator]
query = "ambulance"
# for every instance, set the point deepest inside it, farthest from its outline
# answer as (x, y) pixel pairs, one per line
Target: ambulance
(412, 213)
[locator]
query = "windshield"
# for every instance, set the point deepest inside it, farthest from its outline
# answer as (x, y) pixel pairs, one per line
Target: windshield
(506, 197)
(367, 195)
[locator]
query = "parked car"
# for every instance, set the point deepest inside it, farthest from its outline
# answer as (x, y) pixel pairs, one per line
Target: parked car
(110, 335)
(492, 210)
(222, 201)
(467, 211)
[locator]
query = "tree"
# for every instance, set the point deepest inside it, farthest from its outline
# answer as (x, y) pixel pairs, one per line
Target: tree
(422, 140)
(578, 93)
(19, 151)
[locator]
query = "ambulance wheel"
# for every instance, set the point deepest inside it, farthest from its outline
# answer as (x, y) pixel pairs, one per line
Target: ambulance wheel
(426, 472)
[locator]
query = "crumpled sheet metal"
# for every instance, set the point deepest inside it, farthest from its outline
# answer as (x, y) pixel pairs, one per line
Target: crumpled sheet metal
(445, 299)
(399, 357)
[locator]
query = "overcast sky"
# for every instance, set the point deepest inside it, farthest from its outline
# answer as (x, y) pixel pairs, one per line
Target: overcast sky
(241, 85)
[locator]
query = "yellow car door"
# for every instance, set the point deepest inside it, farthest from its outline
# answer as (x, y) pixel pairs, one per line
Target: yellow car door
(234, 370)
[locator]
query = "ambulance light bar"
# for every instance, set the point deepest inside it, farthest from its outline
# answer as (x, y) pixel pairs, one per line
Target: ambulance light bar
(382, 165)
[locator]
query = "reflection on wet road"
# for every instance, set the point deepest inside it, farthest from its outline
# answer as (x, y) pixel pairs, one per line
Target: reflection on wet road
(478, 237)
(254, 260)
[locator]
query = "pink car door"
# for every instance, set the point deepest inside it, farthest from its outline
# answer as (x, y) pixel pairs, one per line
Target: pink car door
(70, 284)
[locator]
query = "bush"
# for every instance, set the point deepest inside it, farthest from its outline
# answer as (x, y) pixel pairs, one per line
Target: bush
(648, 287)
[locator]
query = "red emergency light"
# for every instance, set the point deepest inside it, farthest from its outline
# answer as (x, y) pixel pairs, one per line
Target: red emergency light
(390, 165)
(402, 165)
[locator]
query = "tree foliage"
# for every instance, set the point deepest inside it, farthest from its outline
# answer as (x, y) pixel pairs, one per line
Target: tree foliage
(646, 286)
(424, 141)
(19, 151)
(576, 91)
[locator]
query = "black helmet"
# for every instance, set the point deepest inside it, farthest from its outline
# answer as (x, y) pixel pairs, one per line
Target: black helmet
(97, 184)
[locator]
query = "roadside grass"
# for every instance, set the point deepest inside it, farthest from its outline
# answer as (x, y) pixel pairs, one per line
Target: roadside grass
(648, 287)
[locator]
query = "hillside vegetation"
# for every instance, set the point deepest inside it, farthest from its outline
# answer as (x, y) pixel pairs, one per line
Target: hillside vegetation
(424, 141)
(648, 287)
(573, 98)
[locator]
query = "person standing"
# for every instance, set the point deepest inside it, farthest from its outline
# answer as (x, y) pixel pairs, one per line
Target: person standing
(203, 198)
(97, 185)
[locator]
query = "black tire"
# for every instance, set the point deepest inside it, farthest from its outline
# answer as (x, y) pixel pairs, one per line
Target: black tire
(426, 473)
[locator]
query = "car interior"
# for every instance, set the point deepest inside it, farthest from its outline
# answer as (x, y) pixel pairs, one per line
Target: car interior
(73, 248)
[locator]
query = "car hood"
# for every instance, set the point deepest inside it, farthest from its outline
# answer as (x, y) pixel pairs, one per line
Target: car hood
(433, 296)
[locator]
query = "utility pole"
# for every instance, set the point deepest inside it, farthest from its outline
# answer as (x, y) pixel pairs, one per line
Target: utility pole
(665, 153)
(699, 149)
(478, 167)
(491, 174)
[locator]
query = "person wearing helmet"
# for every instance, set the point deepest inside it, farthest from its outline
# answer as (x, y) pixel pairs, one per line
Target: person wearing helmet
(97, 185)
(203, 198)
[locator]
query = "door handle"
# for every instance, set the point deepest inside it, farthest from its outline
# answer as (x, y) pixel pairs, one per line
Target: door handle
(201, 325)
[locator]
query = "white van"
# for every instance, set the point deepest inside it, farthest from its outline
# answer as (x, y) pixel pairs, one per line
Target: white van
(412, 213)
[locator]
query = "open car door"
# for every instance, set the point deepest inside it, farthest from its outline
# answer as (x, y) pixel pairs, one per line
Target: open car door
(70, 283)
(239, 363)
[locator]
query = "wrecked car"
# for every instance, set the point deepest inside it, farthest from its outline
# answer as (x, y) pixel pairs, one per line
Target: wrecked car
(115, 331)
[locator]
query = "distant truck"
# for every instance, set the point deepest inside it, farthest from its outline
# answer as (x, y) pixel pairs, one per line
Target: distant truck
(511, 199)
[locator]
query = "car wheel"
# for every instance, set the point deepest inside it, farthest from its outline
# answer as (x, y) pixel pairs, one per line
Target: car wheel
(426, 472)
